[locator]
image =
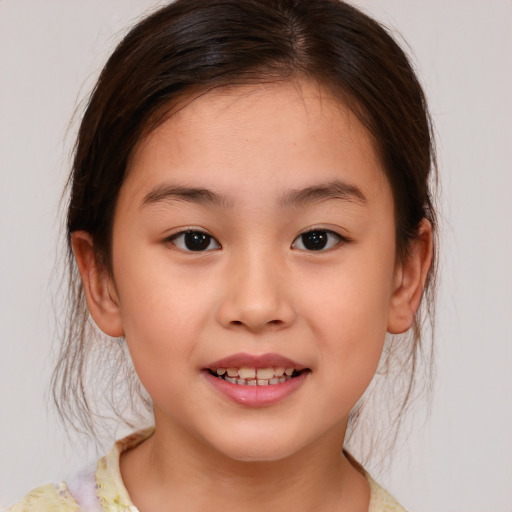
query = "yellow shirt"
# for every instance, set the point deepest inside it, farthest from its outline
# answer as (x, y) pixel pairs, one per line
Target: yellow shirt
(102, 490)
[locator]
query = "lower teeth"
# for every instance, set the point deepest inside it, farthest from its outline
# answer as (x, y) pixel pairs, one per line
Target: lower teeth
(255, 382)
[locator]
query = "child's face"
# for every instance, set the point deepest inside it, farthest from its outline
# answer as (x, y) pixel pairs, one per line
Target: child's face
(249, 171)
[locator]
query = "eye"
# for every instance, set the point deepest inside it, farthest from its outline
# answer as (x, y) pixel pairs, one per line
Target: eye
(317, 240)
(196, 241)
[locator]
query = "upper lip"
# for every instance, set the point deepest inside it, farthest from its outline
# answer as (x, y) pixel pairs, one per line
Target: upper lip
(242, 360)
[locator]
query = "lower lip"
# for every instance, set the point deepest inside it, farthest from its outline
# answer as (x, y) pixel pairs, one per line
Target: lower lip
(256, 396)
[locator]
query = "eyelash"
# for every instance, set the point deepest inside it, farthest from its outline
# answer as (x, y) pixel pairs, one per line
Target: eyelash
(205, 240)
(198, 234)
(320, 231)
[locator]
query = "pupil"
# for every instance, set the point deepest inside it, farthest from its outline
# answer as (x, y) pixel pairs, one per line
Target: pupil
(195, 241)
(314, 240)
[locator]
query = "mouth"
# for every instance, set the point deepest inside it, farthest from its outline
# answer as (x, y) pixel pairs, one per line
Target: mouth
(256, 380)
(256, 370)
(251, 376)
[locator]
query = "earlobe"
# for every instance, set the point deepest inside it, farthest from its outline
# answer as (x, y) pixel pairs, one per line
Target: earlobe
(100, 291)
(410, 277)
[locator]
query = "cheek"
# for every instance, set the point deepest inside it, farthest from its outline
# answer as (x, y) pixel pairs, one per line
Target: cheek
(355, 298)
(348, 314)
(163, 315)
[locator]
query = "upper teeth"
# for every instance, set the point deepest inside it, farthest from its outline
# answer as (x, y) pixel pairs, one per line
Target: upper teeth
(255, 376)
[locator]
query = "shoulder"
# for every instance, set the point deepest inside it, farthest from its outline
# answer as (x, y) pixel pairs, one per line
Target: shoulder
(54, 497)
(97, 488)
(380, 499)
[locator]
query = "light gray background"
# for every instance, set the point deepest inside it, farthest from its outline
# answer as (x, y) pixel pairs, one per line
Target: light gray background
(460, 460)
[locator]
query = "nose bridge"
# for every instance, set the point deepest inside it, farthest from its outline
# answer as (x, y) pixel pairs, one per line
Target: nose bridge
(256, 294)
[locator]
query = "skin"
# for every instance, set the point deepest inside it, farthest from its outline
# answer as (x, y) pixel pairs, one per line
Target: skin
(257, 291)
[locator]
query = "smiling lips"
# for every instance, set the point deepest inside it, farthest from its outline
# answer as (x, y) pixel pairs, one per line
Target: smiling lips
(256, 376)
(256, 380)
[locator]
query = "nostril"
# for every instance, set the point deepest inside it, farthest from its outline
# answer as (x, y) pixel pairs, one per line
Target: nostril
(270, 323)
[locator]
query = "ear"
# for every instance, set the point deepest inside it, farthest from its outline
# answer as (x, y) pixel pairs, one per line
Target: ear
(409, 281)
(100, 291)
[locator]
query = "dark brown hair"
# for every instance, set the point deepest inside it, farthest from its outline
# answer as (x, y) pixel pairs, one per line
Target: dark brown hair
(192, 46)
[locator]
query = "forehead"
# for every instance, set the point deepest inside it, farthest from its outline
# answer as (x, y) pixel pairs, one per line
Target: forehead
(282, 134)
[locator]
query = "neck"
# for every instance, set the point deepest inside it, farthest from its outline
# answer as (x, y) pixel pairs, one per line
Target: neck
(192, 476)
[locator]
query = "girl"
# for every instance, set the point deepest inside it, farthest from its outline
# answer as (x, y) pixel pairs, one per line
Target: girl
(249, 215)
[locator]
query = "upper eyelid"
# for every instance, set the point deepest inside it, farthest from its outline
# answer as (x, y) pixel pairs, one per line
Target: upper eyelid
(183, 232)
(327, 230)
(330, 231)
(341, 240)
(193, 229)
(318, 228)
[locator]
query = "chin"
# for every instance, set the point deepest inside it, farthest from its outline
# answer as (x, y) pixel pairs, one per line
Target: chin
(257, 448)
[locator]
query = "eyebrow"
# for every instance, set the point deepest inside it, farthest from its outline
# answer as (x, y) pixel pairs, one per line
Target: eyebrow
(296, 198)
(332, 190)
(196, 195)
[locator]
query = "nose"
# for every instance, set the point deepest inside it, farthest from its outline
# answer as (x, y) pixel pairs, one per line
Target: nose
(257, 296)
